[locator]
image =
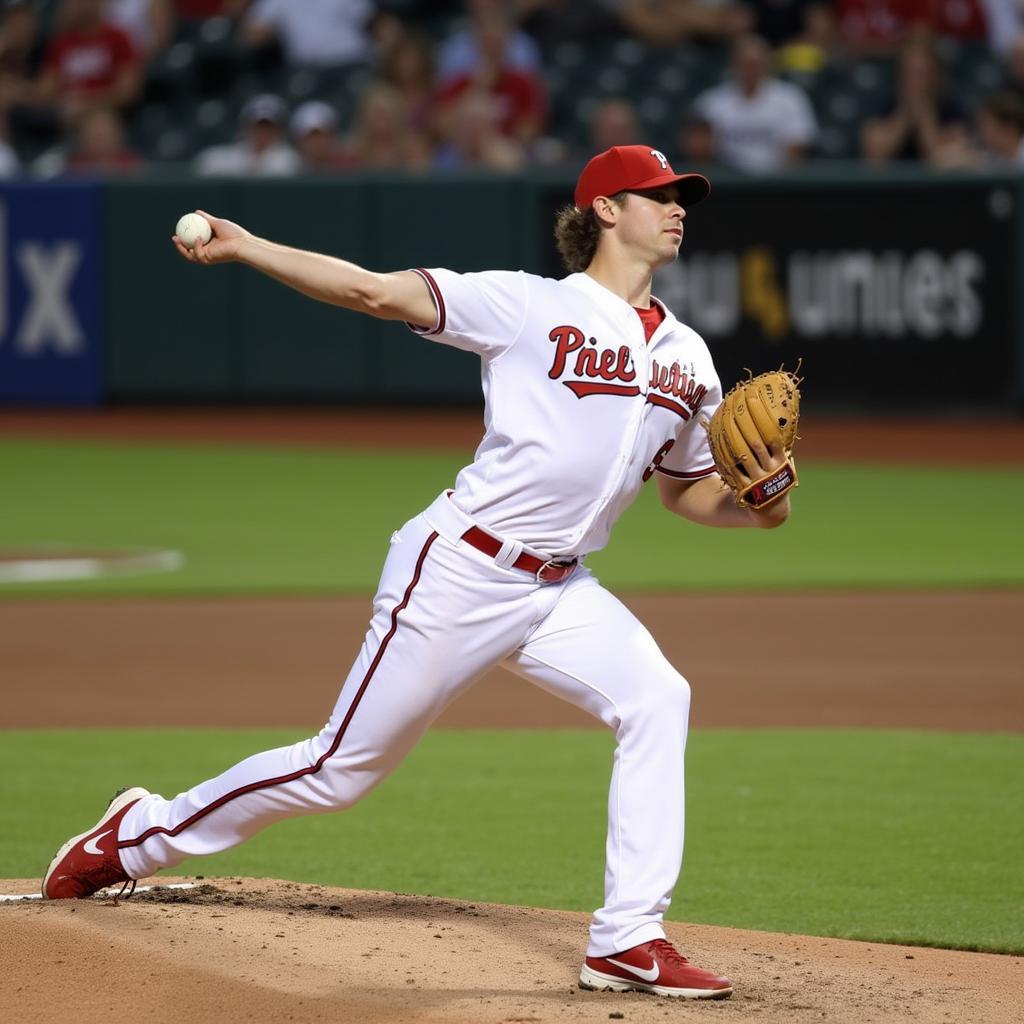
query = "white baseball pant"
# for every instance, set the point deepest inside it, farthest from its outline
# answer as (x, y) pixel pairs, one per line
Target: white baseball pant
(444, 614)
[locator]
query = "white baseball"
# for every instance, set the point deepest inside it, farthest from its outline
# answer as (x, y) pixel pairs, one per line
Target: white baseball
(192, 228)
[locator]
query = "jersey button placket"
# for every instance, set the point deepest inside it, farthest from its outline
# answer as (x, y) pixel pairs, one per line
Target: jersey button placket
(632, 436)
(642, 362)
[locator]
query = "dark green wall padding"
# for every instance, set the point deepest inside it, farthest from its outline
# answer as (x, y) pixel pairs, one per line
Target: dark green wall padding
(185, 333)
(180, 331)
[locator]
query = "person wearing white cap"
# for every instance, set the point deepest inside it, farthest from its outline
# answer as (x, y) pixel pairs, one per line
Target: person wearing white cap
(314, 128)
(261, 150)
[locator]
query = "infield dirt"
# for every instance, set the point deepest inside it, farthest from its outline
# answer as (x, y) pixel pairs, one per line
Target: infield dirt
(247, 949)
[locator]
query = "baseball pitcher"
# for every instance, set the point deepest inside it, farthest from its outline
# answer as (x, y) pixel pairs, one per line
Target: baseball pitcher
(592, 388)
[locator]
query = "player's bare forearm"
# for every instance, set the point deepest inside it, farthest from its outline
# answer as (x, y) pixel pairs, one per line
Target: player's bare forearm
(321, 277)
(710, 502)
(396, 296)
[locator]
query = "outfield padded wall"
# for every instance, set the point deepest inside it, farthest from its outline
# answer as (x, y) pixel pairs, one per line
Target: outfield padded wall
(185, 332)
(913, 274)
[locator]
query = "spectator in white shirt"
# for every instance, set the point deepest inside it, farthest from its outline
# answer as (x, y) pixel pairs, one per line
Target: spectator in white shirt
(261, 151)
(149, 23)
(316, 33)
(460, 52)
(757, 123)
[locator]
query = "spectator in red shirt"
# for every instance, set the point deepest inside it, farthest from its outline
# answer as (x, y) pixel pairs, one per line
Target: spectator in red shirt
(951, 19)
(518, 94)
(88, 62)
(874, 26)
(881, 26)
(197, 10)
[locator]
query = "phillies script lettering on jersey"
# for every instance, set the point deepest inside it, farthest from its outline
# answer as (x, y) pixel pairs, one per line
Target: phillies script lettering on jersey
(608, 365)
(670, 380)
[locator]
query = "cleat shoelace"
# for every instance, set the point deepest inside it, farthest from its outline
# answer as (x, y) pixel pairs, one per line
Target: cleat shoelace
(94, 877)
(669, 953)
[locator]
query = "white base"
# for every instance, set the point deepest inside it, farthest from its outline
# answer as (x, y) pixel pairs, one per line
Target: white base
(100, 894)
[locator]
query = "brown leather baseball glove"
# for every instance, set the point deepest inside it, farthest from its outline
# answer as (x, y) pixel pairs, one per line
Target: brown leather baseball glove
(751, 431)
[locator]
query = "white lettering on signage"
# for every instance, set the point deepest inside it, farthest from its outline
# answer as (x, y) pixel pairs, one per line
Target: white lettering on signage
(48, 270)
(50, 318)
(704, 290)
(890, 294)
(895, 294)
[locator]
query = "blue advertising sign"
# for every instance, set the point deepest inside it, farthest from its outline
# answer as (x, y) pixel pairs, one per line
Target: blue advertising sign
(51, 293)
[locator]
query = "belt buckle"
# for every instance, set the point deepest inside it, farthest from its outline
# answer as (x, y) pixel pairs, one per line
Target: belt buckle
(554, 570)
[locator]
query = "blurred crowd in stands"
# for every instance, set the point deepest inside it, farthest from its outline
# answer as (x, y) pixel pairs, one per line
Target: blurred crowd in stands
(286, 87)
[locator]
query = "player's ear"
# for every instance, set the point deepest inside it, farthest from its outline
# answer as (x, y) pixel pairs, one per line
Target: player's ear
(606, 210)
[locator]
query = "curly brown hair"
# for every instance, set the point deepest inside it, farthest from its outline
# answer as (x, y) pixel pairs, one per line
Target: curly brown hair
(577, 233)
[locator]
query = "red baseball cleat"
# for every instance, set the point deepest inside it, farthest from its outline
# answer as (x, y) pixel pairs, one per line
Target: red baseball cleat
(89, 862)
(653, 967)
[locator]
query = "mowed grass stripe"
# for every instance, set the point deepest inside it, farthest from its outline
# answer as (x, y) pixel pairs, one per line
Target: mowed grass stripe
(882, 835)
(297, 521)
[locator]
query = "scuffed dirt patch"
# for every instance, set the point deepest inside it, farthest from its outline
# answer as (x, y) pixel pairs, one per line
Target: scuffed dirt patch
(247, 949)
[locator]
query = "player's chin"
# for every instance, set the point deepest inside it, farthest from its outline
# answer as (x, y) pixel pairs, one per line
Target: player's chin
(668, 252)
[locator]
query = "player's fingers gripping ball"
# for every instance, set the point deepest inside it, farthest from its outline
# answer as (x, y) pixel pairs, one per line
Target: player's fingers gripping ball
(752, 431)
(192, 228)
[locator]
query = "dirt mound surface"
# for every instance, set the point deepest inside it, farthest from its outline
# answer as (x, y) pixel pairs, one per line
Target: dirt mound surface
(247, 949)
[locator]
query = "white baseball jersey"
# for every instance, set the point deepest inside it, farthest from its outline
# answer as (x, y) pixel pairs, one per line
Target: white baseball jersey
(580, 409)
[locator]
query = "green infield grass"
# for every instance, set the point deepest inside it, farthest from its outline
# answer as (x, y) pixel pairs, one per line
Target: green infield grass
(290, 521)
(912, 837)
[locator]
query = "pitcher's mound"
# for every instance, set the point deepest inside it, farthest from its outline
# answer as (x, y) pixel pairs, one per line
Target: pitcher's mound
(250, 949)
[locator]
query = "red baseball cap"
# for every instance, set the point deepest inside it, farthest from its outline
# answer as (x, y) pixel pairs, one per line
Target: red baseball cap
(623, 168)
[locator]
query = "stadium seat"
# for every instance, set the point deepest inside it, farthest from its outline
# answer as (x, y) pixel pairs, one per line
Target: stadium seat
(171, 74)
(174, 146)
